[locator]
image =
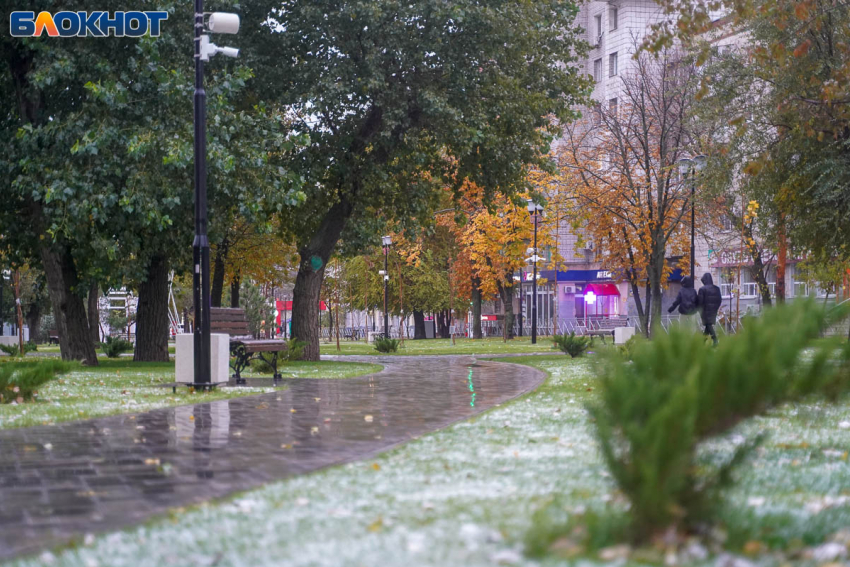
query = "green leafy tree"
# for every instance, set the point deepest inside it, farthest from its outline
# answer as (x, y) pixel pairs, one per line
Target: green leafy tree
(101, 166)
(786, 142)
(399, 98)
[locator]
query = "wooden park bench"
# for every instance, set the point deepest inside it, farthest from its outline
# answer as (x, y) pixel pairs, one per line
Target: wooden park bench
(605, 327)
(243, 347)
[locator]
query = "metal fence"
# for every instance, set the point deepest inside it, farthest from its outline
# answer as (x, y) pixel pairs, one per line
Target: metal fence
(729, 321)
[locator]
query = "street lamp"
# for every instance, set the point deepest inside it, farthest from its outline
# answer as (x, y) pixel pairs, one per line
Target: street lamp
(519, 279)
(2, 285)
(386, 241)
(534, 210)
(688, 168)
(217, 22)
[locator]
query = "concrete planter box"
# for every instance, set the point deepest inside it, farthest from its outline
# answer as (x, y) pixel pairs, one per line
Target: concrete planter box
(622, 334)
(184, 367)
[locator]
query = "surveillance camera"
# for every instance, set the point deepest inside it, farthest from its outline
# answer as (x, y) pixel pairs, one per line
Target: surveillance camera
(222, 22)
(229, 51)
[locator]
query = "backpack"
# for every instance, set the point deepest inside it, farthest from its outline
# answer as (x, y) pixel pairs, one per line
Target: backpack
(688, 303)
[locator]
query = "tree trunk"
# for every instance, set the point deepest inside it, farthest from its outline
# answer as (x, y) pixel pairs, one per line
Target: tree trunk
(311, 272)
(781, 261)
(217, 285)
(68, 308)
(34, 322)
(443, 324)
(235, 284)
(94, 314)
(643, 316)
(757, 270)
(761, 280)
(476, 309)
(655, 272)
(152, 314)
(418, 325)
(506, 294)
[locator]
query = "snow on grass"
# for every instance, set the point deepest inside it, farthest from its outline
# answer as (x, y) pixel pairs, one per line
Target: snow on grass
(464, 496)
(123, 386)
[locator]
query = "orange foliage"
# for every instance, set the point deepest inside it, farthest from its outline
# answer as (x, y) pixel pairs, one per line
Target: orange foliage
(493, 238)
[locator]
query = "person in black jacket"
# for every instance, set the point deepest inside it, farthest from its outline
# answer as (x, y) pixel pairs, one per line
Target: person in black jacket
(708, 301)
(686, 300)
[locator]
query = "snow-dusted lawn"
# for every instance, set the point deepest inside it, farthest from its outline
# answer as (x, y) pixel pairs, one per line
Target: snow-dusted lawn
(124, 386)
(465, 496)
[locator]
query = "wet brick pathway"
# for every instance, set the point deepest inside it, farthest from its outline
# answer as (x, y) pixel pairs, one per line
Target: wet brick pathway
(60, 482)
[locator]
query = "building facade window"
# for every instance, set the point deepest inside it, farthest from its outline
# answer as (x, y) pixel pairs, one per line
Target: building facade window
(612, 106)
(598, 19)
(597, 70)
(612, 18)
(597, 115)
(612, 64)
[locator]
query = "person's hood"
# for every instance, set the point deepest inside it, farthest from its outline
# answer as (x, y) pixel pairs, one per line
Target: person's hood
(688, 282)
(706, 279)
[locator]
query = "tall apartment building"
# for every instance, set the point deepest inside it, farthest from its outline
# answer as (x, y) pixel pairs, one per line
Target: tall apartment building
(581, 289)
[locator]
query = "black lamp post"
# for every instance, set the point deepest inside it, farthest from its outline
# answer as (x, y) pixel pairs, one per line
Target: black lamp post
(2, 285)
(219, 22)
(386, 241)
(520, 302)
(534, 210)
(688, 169)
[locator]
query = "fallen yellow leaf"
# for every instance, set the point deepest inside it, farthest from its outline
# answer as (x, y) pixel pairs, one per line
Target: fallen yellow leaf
(753, 547)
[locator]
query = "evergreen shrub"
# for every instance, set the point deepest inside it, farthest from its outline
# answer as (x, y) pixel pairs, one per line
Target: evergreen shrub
(114, 347)
(679, 392)
(385, 344)
(294, 350)
(11, 350)
(630, 346)
(571, 344)
(20, 381)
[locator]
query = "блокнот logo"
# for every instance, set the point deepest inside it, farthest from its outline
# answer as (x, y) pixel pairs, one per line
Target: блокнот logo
(82, 24)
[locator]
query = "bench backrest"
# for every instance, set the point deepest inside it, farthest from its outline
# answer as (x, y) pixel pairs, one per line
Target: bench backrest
(229, 320)
(612, 323)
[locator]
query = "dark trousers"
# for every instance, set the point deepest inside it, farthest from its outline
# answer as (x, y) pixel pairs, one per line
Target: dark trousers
(709, 330)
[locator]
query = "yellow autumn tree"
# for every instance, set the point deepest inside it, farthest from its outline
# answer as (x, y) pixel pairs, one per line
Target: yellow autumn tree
(492, 241)
(617, 167)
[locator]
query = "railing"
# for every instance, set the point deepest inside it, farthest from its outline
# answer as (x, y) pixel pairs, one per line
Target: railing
(749, 290)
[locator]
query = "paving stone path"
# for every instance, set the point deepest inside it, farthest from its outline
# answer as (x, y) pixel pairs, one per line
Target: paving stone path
(60, 482)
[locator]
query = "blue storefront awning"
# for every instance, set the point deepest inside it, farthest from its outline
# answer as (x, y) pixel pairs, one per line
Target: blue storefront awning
(593, 275)
(577, 275)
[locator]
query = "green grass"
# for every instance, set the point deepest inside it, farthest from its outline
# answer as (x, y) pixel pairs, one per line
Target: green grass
(520, 345)
(467, 495)
(123, 386)
(54, 349)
